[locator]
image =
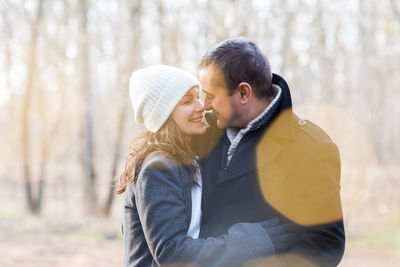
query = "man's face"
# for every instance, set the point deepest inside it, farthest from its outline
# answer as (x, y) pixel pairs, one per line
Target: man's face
(216, 95)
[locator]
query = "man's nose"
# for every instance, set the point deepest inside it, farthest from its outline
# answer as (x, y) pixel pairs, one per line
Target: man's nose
(207, 104)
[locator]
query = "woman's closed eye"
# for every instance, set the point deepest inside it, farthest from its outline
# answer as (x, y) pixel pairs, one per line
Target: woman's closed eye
(187, 100)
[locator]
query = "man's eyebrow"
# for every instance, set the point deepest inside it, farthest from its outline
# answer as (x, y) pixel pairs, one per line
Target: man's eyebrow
(207, 93)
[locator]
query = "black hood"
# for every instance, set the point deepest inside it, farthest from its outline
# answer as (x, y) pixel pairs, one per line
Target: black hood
(283, 103)
(286, 101)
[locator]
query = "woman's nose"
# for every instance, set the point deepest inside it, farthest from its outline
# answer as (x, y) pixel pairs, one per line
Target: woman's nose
(199, 106)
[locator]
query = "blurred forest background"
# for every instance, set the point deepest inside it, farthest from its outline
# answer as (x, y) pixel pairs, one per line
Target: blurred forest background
(66, 120)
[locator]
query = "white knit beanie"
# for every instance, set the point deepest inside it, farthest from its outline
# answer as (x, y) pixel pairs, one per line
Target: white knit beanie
(155, 91)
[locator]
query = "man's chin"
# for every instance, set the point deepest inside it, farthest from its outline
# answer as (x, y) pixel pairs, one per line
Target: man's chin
(221, 124)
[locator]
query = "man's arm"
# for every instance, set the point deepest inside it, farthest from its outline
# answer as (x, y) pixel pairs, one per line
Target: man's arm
(318, 199)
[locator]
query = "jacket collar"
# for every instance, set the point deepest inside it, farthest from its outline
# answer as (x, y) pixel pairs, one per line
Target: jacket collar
(276, 125)
(282, 128)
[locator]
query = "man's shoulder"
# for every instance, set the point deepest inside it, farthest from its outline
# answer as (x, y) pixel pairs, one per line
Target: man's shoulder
(289, 127)
(309, 131)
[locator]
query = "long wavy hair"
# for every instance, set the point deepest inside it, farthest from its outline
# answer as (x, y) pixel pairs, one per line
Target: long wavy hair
(168, 141)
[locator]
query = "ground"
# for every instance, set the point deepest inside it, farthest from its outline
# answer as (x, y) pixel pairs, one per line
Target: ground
(97, 242)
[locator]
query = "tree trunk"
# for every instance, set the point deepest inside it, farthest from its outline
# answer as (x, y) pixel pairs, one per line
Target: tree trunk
(286, 50)
(90, 178)
(115, 161)
(26, 108)
(163, 33)
(133, 61)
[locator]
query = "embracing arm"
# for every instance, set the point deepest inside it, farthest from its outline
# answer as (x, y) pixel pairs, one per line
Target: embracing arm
(160, 199)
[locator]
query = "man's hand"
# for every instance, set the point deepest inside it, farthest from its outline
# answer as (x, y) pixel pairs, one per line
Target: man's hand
(283, 236)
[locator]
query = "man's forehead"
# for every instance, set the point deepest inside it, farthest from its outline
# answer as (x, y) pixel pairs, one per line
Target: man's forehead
(206, 92)
(214, 74)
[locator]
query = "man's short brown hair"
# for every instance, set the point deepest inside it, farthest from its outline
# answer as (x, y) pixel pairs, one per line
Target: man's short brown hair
(241, 60)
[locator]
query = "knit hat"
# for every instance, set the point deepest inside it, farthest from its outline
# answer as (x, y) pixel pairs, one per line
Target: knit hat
(155, 91)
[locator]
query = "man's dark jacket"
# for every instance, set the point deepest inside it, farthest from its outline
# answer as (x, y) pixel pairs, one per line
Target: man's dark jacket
(286, 168)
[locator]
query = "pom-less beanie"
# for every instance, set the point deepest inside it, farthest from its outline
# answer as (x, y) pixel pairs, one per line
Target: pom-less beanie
(155, 91)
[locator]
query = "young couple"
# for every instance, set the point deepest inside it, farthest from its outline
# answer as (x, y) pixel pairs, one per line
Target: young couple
(234, 190)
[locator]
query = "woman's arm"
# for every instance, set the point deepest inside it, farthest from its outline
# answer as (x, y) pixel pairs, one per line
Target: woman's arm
(160, 199)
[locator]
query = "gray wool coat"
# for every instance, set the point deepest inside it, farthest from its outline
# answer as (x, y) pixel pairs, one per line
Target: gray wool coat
(157, 212)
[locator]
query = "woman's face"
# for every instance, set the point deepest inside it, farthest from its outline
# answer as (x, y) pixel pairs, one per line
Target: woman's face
(188, 113)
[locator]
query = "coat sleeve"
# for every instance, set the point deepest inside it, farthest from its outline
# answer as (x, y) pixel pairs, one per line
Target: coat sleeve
(160, 200)
(318, 196)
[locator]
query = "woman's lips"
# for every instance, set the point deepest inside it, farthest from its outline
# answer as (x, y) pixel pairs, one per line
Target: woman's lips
(198, 119)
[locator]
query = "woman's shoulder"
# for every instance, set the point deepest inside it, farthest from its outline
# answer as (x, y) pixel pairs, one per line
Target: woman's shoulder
(156, 160)
(159, 169)
(159, 164)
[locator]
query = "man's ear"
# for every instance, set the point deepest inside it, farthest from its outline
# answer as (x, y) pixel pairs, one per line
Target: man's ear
(243, 92)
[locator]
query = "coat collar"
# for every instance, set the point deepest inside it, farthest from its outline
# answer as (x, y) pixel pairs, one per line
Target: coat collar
(277, 121)
(265, 145)
(280, 125)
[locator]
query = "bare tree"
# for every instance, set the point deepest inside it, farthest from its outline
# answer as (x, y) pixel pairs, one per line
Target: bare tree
(90, 177)
(33, 200)
(286, 49)
(123, 71)
(7, 36)
(169, 36)
(50, 130)
(163, 33)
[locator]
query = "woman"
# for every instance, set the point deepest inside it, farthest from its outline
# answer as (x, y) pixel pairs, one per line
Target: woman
(162, 182)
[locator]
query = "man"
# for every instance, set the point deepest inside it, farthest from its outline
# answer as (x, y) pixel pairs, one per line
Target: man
(267, 162)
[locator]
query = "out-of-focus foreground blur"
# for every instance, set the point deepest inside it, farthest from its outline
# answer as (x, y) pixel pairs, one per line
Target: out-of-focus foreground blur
(66, 120)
